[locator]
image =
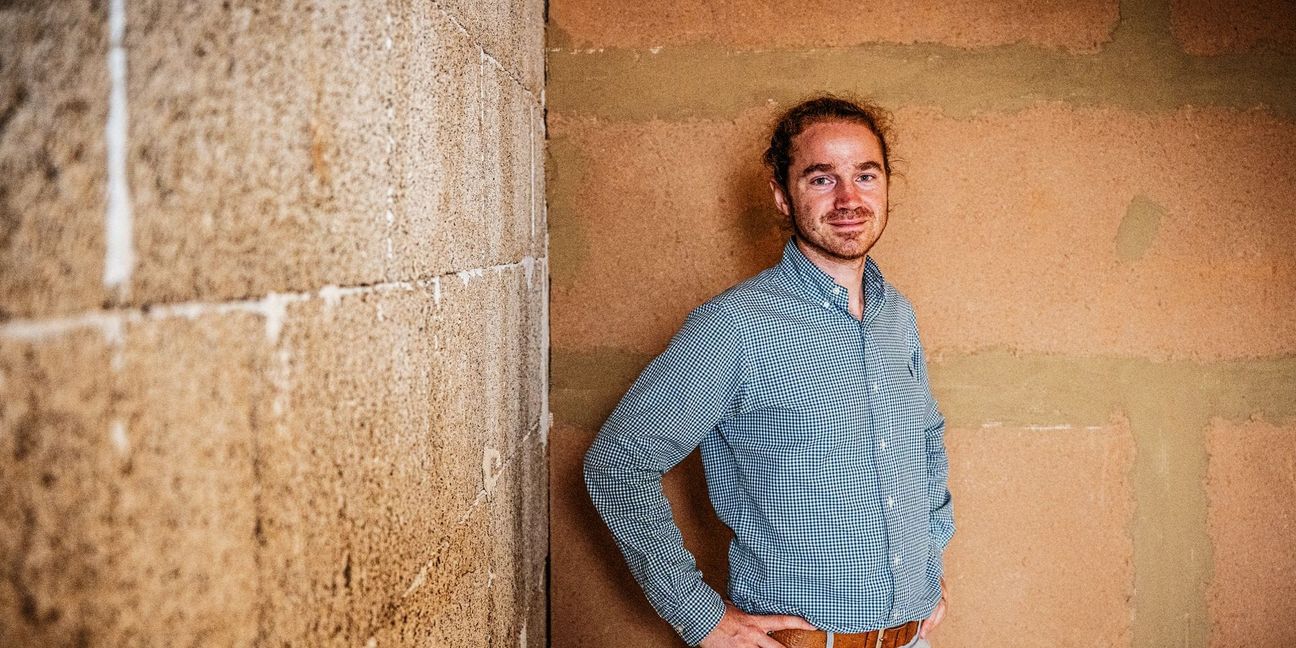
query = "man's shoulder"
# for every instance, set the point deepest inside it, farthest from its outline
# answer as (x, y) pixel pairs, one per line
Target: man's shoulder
(761, 288)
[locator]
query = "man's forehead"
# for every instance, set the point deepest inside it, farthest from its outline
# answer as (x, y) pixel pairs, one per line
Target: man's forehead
(836, 141)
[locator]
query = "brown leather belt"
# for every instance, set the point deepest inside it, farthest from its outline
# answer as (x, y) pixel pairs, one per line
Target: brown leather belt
(887, 638)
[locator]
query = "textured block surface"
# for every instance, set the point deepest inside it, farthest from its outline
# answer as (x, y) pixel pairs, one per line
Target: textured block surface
(1252, 517)
(131, 522)
(440, 183)
(1043, 516)
(738, 24)
(53, 109)
(186, 523)
(398, 462)
(314, 412)
(506, 137)
(57, 461)
(257, 135)
(361, 479)
(512, 33)
(1055, 230)
(1209, 28)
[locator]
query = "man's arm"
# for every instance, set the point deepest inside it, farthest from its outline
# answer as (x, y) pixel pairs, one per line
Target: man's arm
(938, 495)
(679, 398)
(941, 526)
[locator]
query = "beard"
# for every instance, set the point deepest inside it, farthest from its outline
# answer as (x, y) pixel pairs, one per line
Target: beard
(842, 249)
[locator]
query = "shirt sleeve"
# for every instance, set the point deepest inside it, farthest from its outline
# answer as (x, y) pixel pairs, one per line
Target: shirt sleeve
(679, 398)
(938, 495)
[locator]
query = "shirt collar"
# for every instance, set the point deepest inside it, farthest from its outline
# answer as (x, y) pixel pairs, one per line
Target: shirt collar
(819, 286)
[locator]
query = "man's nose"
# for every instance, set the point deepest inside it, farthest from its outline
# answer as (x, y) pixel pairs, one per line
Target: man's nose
(847, 196)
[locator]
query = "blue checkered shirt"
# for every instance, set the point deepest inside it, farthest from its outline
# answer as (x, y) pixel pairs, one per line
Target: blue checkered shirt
(823, 449)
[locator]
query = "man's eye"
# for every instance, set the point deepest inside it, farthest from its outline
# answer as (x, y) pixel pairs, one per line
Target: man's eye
(821, 180)
(867, 177)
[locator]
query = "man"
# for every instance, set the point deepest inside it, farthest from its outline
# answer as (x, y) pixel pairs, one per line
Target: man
(806, 389)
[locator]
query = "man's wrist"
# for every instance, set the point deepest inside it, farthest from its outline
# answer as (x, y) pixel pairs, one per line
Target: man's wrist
(698, 614)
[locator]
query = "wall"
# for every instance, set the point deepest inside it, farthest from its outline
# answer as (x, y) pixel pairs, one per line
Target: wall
(273, 350)
(1094, 219)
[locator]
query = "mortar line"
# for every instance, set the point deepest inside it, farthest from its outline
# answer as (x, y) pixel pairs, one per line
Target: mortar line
(119, 252)
(269, 305)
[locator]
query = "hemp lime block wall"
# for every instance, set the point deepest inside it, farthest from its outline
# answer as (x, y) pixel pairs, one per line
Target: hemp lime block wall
(273, 324)
(1093, 216)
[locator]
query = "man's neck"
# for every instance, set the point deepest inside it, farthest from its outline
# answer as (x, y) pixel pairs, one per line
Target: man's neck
(847, 273)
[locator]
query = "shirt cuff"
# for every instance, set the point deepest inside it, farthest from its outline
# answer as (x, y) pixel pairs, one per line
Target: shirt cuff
(697, 614)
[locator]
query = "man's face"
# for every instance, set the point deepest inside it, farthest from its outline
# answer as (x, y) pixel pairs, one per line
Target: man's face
(836, 196)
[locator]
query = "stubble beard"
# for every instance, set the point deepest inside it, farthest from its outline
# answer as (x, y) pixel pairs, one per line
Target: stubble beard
(826, 246)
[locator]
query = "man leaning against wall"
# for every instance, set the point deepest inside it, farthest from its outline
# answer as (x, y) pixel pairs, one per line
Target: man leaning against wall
(805, 387)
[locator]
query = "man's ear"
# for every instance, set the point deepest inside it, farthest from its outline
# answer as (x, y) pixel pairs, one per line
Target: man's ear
(780, 198)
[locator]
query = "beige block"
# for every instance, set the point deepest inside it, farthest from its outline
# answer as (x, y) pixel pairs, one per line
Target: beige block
(507, 140)
(1053, 230)
(259, 156)
(535, 545)
(1252, 520)
(1209, 28)
(510, 31)
(185, 529)
(534, 352)
(649, 220)
(1090, 231)
(132, 490)
(53, 110)
(58, 473)
(1044, 543)
(748, 24)
(361, 480)
(481, 328)
(539, 216)
(508, 540)
(450, 605)
(437, 203)
(364, 480)
(519, 547)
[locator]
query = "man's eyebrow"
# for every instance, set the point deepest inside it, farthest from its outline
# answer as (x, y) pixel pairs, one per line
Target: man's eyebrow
(821, 167)
(824, 167)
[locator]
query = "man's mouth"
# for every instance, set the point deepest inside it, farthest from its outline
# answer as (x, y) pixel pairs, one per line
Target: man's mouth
(850, 218)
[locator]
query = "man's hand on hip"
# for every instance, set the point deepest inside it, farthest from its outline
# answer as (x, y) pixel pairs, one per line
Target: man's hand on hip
(937, 615)
(737, 629)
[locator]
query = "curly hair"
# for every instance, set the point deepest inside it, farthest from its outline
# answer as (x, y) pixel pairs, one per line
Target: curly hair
(823, 109)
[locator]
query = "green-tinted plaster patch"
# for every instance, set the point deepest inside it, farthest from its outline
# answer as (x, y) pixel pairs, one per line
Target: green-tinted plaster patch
(569, 248)
(1169, 406)
(1142, 68)
(586, 385)
(1139, 228)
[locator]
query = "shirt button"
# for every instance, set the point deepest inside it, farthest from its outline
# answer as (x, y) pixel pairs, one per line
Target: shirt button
(827, 303)
(882, 444)
(890, 502)
(877, 387)
(895, 560)
(837, 290)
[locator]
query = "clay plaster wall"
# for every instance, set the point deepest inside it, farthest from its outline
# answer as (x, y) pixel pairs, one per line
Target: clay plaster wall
(1094, 219)
(273, 324)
